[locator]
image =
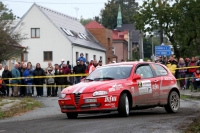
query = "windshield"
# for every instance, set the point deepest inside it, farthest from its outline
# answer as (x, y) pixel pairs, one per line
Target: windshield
(111, 72)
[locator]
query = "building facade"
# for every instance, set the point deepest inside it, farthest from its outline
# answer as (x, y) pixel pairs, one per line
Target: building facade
(52, 36)
(104, 36)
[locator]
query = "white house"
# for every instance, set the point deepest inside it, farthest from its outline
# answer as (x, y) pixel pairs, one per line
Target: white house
(52, 36)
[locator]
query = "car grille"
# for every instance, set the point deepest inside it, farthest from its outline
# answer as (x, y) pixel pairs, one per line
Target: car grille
(77, 98)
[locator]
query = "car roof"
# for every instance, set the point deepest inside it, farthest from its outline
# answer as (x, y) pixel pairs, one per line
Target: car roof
(129, 63)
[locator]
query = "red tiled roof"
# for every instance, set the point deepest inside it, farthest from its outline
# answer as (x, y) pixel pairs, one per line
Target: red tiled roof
(93, 25)
(115, 36)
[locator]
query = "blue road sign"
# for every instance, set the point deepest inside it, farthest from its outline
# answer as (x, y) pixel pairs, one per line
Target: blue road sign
(163, 50)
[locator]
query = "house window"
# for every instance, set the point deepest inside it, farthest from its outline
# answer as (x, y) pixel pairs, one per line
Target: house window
(94, 57)
(77, 54)
(48, 56)
(113, 50)
(24, 57)
(35, 32)
(86, 56)
(100, 58)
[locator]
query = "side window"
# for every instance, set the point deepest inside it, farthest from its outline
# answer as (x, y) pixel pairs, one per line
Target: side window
(160, 71)
(144, 71)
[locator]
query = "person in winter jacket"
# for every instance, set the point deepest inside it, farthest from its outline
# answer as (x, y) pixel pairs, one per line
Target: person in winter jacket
(196, 79)
(78, 69)
(182, 72)
(172, 64)
(82, 58)
(39, 81)
(88, 66)
(28, 80)
(190, 71)
(22, 88)
(15, 74)
(93, 67)
(56, 78)
(6, 74)
(61, 82)
(50, 82)
(30, 64)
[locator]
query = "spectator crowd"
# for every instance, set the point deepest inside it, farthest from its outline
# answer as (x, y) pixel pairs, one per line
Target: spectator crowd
(49, 76)
(186, 71)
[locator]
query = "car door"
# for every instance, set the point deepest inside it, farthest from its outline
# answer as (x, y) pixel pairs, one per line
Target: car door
(166, 82)
(145, 85)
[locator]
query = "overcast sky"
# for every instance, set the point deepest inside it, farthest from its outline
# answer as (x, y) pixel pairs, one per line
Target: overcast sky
(74, 8)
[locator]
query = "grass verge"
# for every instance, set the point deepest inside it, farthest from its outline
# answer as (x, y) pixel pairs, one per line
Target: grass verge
(194, 127)
(25, 105)
(184, 97)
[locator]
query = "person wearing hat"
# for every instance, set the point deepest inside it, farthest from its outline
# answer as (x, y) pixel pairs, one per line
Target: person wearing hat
(196, 79)
(62, 61)
(82, 58)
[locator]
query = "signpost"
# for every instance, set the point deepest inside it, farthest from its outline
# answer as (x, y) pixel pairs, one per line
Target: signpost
(163, 50)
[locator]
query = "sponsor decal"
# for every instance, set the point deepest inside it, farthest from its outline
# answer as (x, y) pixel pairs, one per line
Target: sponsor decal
(155, 87)
(145, 90)
(115, 87)
(144, 87)
(110, 104)
(168, 78)
(110, 99)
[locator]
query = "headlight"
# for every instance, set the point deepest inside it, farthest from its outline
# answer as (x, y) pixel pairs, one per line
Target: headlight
(62, 95)
(99, 93)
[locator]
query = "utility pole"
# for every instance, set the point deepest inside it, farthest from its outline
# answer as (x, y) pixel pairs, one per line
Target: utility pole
(141, 51)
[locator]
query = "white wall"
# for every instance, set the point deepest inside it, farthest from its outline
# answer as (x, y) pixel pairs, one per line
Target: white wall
(51, 39)
(90, 54)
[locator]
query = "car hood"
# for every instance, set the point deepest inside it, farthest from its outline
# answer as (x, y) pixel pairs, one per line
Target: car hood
(89, 87)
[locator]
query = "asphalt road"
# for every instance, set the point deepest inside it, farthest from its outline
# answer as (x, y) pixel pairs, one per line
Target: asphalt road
(49, 120)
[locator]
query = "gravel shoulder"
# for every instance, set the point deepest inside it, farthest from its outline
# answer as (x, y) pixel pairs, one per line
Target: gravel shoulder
(49, 108)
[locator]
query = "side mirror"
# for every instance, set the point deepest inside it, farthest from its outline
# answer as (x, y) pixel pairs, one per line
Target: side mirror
(136, 77)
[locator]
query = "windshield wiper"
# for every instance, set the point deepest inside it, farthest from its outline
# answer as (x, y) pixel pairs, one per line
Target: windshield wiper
(109, 78)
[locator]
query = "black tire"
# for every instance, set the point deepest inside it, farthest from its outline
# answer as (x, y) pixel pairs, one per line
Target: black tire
(173, 102)
(124, 105)
(72, 115)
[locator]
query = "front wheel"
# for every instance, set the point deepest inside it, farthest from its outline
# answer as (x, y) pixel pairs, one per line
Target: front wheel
(72, 115)
(173, 103)
(124, 106)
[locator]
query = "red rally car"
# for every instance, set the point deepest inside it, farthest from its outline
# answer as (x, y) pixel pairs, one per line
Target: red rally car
(122, 87)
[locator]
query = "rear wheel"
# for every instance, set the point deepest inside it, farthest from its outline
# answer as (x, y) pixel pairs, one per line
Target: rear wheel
(173, 102)
(124, 107)
(72, 115)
